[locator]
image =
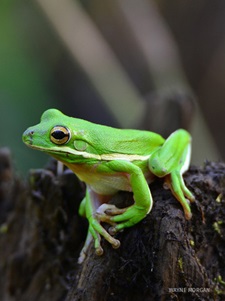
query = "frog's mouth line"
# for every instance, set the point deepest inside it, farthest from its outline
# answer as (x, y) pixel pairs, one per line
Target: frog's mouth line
(104, 157)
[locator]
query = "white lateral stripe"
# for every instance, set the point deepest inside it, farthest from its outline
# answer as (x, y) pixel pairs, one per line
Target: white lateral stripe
(124, 157)
(104, 157)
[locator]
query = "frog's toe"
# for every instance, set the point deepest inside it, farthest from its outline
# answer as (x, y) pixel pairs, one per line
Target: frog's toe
(188, 215)
(189, 195)
(105, 218)
(112, 230)
(83, 252)
(99, 251)
(106, 213)
(81, 257)
(97, 231)
(115, 211)
(104, 207)
(109, 209)
(186, 192)
(116, 244)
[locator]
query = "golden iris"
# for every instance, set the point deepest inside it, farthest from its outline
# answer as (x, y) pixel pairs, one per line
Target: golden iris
(60, 135)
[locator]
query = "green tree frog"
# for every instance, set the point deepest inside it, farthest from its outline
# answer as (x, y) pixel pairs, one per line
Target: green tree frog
(109, 160)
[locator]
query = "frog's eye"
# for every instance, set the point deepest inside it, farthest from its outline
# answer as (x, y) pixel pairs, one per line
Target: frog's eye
(59, 135)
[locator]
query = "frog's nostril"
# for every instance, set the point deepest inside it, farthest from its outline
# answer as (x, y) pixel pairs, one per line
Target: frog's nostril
(28, 136)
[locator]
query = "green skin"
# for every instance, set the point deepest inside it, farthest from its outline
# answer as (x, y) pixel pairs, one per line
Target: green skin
(109, 160)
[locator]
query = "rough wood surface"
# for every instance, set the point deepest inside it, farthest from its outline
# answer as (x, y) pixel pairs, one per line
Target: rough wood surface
(164, 257)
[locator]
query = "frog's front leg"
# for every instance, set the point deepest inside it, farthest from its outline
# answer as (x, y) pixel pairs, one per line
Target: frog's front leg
(133, 214)
(88, 209)
(171, 160)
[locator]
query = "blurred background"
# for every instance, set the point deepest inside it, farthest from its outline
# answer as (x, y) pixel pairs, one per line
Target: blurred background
(155, 65)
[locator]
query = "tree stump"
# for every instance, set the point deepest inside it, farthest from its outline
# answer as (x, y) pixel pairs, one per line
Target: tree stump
(164, 257)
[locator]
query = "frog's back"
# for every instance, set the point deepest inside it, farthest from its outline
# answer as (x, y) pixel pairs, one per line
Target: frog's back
(126, 141)
(109, 140)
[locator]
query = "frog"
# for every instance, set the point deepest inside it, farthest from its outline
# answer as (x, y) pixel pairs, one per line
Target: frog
(109, 160)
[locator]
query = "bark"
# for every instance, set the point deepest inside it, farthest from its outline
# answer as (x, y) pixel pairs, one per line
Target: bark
(164, 257)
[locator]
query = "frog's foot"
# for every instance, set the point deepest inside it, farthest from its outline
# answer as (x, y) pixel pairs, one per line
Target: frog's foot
(109, 210)
(120, 218)
(105, 213)
(95, 231)
(180, 191)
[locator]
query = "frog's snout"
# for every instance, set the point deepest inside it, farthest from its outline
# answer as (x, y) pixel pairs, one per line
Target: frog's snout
(27, 136)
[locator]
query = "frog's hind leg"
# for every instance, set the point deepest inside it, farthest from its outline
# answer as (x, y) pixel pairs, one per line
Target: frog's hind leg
(171, 160)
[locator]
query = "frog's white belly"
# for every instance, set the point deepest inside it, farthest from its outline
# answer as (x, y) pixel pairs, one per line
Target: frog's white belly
(107, 184)
(103, 183)
(110, 184)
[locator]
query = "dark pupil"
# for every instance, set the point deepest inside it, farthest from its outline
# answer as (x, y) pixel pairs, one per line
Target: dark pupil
(59, 135)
